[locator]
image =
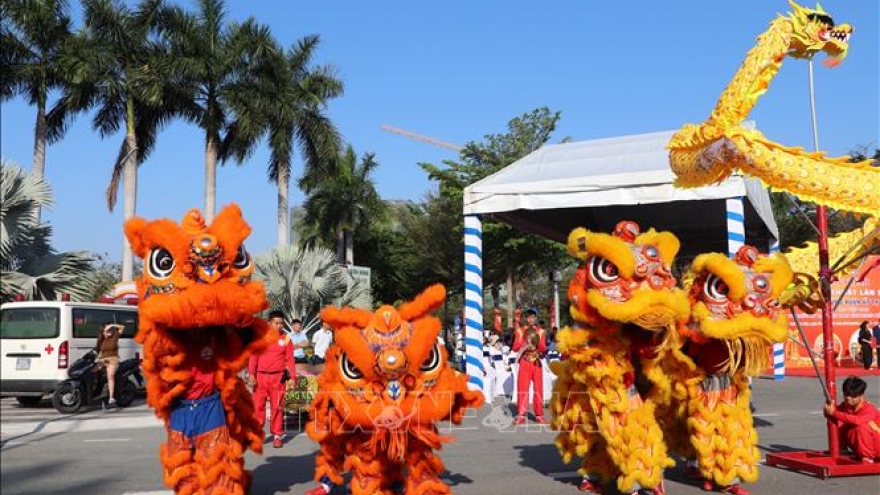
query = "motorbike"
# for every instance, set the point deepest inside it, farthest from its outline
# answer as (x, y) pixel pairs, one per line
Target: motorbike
(87, 384)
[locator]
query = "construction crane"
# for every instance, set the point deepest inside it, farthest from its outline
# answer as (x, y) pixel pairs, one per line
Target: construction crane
(419, 137)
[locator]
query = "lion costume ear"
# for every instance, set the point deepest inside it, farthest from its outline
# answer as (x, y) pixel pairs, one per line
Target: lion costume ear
(425, 303)
(134, 231)
(339, 318)
(230, 226)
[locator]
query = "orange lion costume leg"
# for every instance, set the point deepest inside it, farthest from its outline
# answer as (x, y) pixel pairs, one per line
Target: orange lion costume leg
(425, 468)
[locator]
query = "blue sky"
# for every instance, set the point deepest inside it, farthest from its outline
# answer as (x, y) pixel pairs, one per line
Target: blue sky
(457, 71)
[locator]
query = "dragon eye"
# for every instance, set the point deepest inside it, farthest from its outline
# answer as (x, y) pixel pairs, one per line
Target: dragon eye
(824, 19)
(349, 370)
(242, 258)
(160, 263)
(433, 360)
(602, 271)
(715, 288)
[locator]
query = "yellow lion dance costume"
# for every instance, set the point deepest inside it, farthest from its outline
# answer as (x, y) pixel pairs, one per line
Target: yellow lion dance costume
(735, 318)
(384, 387)
(627, 307)
(197, 326)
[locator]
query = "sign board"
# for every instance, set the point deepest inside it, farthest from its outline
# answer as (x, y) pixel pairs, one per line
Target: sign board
(360, 273)
(861, 302)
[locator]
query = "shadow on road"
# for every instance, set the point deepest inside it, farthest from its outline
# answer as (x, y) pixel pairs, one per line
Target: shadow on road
(761, 422)
(281, 472)
(31, 480)
(775, 447)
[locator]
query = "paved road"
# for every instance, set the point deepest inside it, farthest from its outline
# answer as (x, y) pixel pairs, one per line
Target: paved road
(115, 453)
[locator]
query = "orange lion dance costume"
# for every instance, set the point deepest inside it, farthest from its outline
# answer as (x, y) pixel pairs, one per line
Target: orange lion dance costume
(383, 390)
(197, 326)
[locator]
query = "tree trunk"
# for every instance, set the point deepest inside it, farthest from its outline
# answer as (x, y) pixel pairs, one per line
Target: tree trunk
(349, 247)
(283, 206)
(511, 323)
(340, 246)
(39, 164)
(210, 179)
(129, 191)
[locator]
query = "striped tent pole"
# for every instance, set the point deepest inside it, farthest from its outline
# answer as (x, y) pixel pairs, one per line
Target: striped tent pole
(736, 230)
(778, 349)
(473, 300)
(736, 225)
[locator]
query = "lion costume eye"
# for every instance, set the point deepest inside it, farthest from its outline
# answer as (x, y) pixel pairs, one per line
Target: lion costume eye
(715, 289)
(433, 360)
(160, 263)
(602, 271)
(349, 370)
(242, 258)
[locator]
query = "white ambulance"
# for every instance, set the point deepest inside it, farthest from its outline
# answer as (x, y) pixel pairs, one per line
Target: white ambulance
(39, 340)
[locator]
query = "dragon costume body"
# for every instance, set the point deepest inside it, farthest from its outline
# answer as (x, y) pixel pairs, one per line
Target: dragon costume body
(384, 388)
(707, 153)
(736, 316)
(197, 327)
(626, 305)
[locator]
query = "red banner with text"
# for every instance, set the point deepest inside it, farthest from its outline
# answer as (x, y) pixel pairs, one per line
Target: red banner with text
(860, 303)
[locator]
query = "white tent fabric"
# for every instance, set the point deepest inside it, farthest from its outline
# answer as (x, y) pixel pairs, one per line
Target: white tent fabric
(601, 173)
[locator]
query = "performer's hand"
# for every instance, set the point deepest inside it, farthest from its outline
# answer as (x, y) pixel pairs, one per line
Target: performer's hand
(251, 382)
(829, 408)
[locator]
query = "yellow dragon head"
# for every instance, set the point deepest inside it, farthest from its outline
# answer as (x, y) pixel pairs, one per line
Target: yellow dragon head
(814, 31)
(626, 278)
(736, 301)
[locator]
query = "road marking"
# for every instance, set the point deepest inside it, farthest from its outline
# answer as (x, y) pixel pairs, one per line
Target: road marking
(107, 440)
(765, 415)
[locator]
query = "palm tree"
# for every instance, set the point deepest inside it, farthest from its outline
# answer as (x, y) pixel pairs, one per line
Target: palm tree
(338, 204)
(286, 97)
(32, 33)
(29, 267)
(212, 57)
(119, 65)
(300, 282)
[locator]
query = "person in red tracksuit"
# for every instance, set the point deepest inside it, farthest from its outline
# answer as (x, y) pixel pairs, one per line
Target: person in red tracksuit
(530, 344)
(858, 420)
(267, 377)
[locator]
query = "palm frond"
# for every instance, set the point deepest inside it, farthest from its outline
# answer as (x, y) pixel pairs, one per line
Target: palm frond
(300, 282)
(29, 266)
(20, 192)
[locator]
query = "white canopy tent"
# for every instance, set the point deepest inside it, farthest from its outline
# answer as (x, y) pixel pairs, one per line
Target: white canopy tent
(597, 183)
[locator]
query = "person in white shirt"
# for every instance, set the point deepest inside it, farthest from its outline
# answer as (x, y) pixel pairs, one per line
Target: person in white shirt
(321, 340)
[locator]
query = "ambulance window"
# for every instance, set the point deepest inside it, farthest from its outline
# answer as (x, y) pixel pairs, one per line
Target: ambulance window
(87, 321)
(29, 323)
(130, 320)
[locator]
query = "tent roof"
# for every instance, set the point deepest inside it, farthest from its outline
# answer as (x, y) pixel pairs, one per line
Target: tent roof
(598, 182)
